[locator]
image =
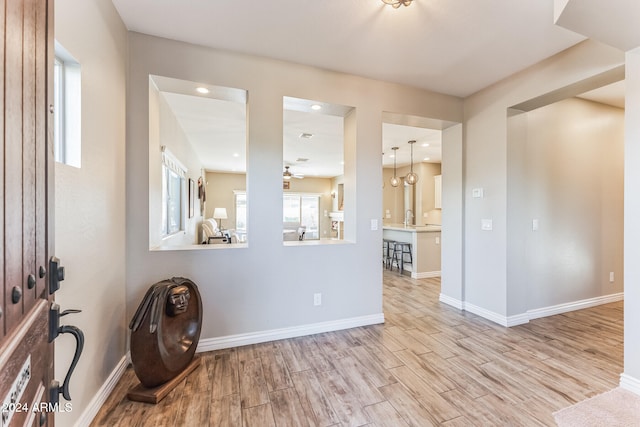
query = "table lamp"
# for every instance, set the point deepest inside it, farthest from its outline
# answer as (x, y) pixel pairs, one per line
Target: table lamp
(220, 214)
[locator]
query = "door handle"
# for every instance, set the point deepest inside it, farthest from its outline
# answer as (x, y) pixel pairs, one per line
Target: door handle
(56, 274)
(54, 331)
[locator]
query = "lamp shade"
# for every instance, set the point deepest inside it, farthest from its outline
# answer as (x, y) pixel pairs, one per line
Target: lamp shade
(220, 213)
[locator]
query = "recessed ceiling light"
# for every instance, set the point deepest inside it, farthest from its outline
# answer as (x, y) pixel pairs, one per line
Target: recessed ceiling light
(306, 135)
(235, 155)
(392, 156)
(316, 107)
(202, 90)
(342, 163)
(426, 144)
(426, 159)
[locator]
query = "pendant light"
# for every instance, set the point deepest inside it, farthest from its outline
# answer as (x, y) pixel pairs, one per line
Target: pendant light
(397, 3)
(411, 177)
(394, 181)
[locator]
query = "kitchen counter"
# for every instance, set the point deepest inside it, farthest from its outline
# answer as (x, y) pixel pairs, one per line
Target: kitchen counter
(413, 228)
(425, 247)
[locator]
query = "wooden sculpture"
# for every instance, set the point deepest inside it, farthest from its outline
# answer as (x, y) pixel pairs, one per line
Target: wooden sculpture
(164, 335)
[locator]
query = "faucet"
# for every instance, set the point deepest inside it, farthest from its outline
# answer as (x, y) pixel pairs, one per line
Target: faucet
(407, 216)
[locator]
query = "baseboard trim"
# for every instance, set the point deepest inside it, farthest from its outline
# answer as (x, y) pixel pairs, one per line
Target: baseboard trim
(218, 343)
(456, 303)
(103, 393)
(630, 383)
(575, 305)
(517, 319)
(487, 314)
(520, 319)
(425, 274)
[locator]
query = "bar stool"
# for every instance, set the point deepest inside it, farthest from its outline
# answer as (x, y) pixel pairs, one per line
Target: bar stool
(387, 252)
(400, 252)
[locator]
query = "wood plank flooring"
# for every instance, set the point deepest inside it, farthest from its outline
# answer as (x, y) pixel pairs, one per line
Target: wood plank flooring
(428, 365)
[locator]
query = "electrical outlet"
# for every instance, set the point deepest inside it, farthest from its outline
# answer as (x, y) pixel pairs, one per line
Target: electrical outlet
(437, 240)
(317, 299)
(611, 277)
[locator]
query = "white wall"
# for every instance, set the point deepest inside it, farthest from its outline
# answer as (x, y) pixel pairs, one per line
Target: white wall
(486, 153)
(90, 202)
(259, 288)
(631, 223)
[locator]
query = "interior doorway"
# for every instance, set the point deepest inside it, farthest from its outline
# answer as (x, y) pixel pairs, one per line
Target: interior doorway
(566, 166)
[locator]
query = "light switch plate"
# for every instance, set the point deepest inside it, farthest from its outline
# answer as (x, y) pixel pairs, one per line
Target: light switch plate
(487, 224)
(477, 193)
(535, 225)
(374, 224)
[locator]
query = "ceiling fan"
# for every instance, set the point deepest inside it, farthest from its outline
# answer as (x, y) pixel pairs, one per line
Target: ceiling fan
(288, 175)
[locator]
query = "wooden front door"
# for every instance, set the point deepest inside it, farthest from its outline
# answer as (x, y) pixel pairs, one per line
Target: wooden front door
(26, 162)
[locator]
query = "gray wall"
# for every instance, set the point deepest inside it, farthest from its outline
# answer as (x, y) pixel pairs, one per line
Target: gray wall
(565, 170)
(90, 202)
(453, 191)
(574, 187)
(268, 285)
(486, 166)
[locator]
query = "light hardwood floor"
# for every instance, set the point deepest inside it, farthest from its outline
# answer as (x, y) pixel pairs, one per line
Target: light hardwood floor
(429, 364)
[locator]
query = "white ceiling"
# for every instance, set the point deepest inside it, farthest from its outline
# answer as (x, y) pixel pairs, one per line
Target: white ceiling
(453, 47)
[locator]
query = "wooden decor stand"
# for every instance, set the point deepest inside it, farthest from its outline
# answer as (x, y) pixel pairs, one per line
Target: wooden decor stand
(154, 395)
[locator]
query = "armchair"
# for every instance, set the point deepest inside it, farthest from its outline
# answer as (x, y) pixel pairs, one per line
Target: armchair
(210, 231)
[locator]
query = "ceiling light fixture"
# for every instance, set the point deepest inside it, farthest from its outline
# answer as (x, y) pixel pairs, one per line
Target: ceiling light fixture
(411, 177)
(397, 3)
(286, 174)
(394, 181)
(316, 107)
(202, 90)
